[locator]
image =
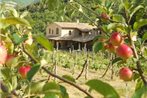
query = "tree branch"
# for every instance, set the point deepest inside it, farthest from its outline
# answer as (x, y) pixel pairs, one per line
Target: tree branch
(138, 64)
(68, 82)
(108, 67)
(84, 65)
(58, 77)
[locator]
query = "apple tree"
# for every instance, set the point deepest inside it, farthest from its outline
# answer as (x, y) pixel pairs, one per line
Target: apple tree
(21, 59)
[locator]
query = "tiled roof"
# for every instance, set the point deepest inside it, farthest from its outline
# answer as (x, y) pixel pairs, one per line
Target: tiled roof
(80, 26)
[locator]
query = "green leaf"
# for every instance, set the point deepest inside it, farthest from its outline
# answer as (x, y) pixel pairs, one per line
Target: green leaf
(145, 52)
(70, 78)
(64, 93)
(51, 95)
(139, 83)
(33, 71)
(114, 26)
(116, 60)
(108, 4)
(24, 14)
(97, 46)
(136, 76)
(139, 93)
(104, 28)
(13, 11)
(52, 4)
(118, 18)
(14, 21)
(144, 36)
(14, 82)
(17, 39)
(44, 42)
(103, 88)
(6, 73)
(98, 1)
(139, 24)
(51, 87)
(135, 10)
(35, 88)
(32, 50)
(126, 4)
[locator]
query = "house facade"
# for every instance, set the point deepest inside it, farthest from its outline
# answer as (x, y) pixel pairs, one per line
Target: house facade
(65, 35)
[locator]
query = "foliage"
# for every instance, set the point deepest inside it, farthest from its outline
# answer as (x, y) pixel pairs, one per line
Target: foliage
(129, 19)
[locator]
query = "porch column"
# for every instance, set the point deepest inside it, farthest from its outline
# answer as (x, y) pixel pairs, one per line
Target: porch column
(85, 46)
(57, 45)
(79, 46)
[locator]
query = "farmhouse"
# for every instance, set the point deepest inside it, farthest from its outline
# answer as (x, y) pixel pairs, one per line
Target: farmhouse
(65, 35)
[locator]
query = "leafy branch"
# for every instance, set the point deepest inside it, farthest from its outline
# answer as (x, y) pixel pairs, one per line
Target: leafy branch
(58, 77)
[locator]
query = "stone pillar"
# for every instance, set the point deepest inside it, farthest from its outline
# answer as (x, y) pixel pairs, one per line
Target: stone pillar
(79, 46)
(85, 46)
(57, 45)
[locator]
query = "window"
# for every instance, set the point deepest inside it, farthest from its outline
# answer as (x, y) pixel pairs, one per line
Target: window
(57, 30)
(52, 31)
(80, 33)
(69, 32)
(49, 31)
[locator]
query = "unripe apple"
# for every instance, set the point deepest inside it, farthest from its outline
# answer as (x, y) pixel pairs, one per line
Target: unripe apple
(3, 54)
(12, 60)
(124, 51)
(23, 70)
(116, 39)
(126, 74)
(110, 47)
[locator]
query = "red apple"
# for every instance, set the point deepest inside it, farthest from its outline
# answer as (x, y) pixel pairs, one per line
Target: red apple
(104, 16)
(23, 70)
(110, 47)
(3, 54)
(10, 57)
(116, 39)
(126, 74)
(124, 51)
(11, 60)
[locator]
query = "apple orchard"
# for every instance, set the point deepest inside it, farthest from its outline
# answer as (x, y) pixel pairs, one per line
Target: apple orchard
(24, 55)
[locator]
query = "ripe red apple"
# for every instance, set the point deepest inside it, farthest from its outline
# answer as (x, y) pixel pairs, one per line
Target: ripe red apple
(23, 70)
(116, 39)
(110, 47)
(104, 16)
(124, 51)
(3, 54)
(126, 74)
